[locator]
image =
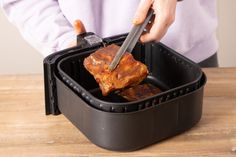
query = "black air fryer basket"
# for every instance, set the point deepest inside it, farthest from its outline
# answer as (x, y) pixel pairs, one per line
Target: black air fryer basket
(112, 122)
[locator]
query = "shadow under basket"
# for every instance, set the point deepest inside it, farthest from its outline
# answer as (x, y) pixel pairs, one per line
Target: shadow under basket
(112, 122)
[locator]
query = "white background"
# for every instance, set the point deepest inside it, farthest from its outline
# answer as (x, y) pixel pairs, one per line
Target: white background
(17, 57)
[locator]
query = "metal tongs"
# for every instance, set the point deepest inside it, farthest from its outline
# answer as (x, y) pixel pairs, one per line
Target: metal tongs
(130, 40)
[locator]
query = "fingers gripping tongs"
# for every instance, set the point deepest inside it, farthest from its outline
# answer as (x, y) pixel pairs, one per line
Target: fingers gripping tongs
(130, 40)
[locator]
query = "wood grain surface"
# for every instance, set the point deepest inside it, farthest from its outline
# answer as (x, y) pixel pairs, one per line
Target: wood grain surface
(26, 131)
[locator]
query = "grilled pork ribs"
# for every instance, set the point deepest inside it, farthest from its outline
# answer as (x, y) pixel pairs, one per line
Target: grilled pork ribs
(129, 71)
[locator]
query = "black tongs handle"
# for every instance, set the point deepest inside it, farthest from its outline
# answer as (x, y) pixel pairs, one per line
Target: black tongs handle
(131, 40)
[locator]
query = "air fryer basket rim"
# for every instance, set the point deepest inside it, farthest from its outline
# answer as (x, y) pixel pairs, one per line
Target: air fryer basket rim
(60, 56)
(64, 75)
(120, 103)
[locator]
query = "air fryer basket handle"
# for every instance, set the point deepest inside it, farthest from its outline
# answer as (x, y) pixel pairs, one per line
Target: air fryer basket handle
(88, 39)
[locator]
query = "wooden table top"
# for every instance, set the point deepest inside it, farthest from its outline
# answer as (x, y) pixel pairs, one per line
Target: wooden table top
(26, 131)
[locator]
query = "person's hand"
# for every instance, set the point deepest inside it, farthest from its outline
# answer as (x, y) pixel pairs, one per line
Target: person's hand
(79, 29)
(164, 17)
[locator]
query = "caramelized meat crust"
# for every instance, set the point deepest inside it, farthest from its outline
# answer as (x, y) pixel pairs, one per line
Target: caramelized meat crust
(139, 92)
(129, 72)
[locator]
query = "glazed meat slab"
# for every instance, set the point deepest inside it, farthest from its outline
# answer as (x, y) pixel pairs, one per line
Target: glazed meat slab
(129, 71)
(138, 92)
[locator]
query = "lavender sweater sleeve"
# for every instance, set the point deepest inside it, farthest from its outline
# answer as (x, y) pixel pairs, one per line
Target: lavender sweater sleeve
(41, 23)
(46, 24)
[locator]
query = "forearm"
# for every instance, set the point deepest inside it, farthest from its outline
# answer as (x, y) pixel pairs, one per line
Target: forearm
(41, 23)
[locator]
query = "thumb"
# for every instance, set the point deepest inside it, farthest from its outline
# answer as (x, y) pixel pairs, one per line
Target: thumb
(142, 11)
(79, 27)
